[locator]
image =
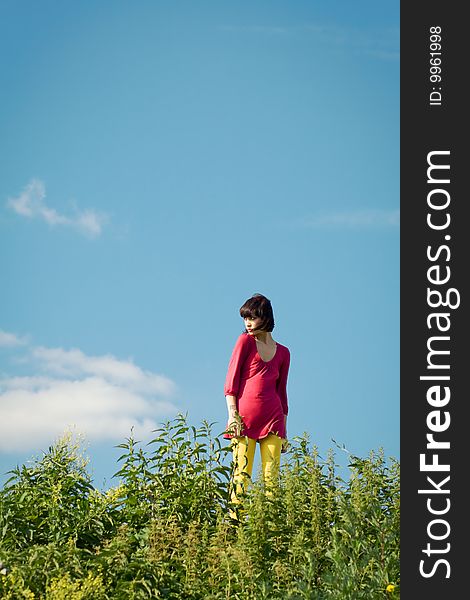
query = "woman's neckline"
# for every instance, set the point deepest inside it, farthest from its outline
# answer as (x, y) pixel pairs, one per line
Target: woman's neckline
(260, 357)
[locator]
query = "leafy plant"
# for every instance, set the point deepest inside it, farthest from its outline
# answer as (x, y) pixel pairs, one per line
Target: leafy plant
(165, 530)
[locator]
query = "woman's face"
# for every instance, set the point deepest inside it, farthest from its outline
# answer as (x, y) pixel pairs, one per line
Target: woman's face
(252, 324)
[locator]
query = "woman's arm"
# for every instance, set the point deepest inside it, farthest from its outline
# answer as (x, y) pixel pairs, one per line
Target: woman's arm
(282, 383)
(232, 383)
(233, 417)
(232, 379)
(231, 404)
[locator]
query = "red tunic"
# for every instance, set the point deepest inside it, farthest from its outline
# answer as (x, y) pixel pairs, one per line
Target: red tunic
(260, 388)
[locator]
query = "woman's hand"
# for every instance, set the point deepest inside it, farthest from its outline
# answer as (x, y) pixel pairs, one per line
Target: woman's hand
(285, 441)
(235, 423)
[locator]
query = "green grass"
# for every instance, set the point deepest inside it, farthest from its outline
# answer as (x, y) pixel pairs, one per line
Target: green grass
(166, 531)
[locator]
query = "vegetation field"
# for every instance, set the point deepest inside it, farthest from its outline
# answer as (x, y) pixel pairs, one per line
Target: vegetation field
(168, 530)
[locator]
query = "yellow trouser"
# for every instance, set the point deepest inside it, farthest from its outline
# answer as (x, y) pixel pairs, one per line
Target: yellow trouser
(243, 457)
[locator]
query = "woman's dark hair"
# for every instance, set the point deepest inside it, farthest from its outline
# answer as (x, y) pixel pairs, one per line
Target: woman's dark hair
(259, 306)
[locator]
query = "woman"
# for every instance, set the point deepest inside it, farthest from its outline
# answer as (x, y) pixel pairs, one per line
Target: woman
(256, 393)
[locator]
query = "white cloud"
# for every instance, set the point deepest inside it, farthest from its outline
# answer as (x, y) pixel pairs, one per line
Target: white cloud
(358, 219)
(11, 339)
(379, 43)
(261, 29)
(31, 204)
(74, 363)
(100, 396)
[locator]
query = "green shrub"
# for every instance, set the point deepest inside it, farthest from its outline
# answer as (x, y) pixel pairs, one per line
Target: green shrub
(166, 530)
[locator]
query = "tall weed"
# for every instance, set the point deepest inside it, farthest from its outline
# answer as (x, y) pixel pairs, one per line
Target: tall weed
(166, 529)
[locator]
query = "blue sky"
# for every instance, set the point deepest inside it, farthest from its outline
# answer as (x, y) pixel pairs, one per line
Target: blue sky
(161, 162)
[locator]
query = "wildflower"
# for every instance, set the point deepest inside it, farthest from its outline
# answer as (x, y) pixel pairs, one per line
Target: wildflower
(390, 588)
